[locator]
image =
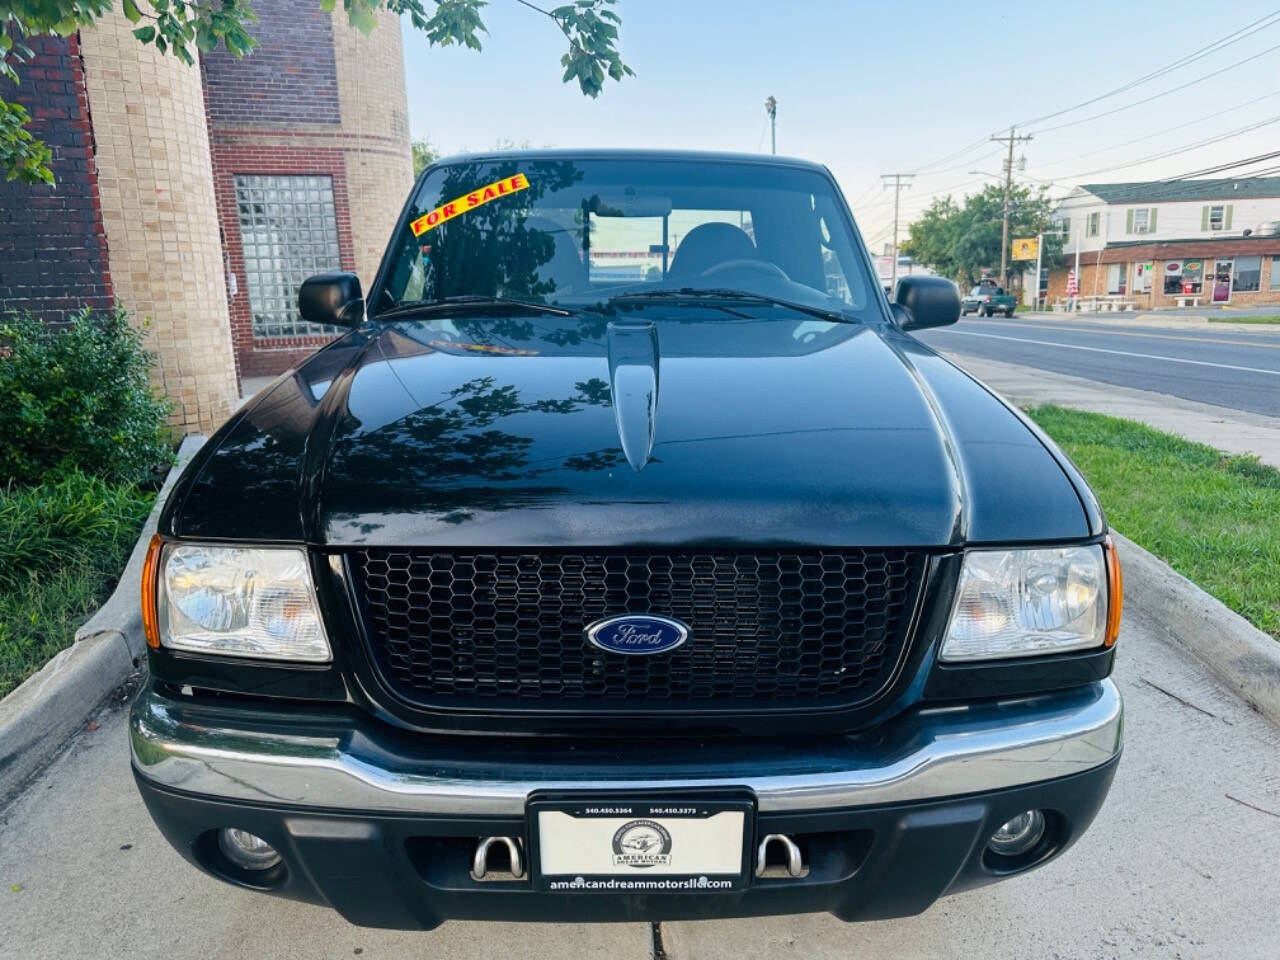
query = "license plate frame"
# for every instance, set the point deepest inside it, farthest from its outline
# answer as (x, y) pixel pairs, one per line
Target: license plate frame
(616, 816)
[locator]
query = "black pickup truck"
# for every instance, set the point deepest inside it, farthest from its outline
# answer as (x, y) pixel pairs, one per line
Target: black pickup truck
(627, 559)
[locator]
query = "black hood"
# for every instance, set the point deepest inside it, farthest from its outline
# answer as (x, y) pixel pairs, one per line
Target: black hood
(668, 426)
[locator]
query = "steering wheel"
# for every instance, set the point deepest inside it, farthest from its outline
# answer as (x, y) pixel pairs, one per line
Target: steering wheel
(747, 266)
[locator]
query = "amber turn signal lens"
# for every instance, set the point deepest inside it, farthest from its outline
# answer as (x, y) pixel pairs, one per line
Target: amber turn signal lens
(1115, 591)
(150, 574)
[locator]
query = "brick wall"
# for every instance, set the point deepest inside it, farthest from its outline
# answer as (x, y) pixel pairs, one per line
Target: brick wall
(1093, 280)
(156, 187)
(318, 98)
(289, 78)
(53, 248)
(233, 155)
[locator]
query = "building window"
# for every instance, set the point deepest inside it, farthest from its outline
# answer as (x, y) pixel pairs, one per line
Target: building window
(1275, 273)
(1063, 227)
(1183, 277)
(1117, 277)
(1142, 220)
(1248, 274)
(1142, 277)
(1094, 223)
(288, 231)
(1217, 217)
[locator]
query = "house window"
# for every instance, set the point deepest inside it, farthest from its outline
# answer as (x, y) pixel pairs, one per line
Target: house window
(1063, 227)
(288, 231)
(1117, 277)
(1248, 274)
(1094, 223)
(1275, 273)
(1217, 217)
(1140, 220)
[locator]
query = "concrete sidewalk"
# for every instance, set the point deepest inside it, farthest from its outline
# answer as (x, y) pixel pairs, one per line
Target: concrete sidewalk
(1232, 431)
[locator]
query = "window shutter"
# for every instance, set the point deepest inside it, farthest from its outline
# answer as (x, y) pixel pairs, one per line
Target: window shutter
(1204, 218)
(1226, 218)
(1128, 223)
(1151, 221)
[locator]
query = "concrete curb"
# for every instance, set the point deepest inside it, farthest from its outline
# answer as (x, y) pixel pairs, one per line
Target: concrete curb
(38, 718)
(1237, 652)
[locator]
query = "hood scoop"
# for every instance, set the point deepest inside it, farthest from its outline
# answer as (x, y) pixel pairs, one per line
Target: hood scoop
(633, 386)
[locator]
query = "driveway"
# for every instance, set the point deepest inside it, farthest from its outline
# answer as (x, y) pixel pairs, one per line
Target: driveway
(1183, 862)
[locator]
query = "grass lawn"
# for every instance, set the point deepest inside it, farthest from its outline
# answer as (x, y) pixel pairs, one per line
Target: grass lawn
(1273, 318)
(63, 546)
(1212, 517)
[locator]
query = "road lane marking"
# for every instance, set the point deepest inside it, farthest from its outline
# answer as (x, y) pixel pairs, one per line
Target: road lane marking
(1134, 333)
(1120, 353)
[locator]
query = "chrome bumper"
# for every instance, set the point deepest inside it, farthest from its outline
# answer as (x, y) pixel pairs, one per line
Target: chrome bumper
(922, 755)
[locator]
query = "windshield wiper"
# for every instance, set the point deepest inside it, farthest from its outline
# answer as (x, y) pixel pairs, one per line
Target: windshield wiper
(472, 302)
(694, 294)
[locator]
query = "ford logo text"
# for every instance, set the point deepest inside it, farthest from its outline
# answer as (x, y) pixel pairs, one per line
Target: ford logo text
(637, 634)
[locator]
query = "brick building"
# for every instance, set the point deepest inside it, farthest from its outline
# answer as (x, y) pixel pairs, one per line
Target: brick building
(1160, 243)
(200, 198)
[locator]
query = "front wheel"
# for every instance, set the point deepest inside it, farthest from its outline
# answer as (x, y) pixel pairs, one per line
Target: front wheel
(1009, 313)
(986, 311)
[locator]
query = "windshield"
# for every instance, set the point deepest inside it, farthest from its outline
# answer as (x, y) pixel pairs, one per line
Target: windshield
(580, 232)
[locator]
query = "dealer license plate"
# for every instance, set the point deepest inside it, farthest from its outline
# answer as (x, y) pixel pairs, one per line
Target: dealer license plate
(608, 845)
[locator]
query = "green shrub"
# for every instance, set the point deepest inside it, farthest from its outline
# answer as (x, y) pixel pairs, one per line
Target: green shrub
(63, 545)
(77, 396)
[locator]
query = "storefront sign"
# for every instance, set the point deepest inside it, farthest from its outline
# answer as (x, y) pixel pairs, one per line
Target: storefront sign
(1026, 249)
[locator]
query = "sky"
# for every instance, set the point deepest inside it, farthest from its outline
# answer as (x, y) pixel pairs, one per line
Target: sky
(874, 88)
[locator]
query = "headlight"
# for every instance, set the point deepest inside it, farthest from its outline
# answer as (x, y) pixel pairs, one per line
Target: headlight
(239, 602)
(1022, 603)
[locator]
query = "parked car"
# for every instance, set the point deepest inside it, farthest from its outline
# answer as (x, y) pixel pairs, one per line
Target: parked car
(554, 591)
(987, 300)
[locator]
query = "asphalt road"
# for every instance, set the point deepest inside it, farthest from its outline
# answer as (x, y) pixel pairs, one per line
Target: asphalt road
(1225, 367)
(1183, 862)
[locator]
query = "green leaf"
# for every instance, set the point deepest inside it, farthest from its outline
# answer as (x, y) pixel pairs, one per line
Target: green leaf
(145, 34)
(131, 10)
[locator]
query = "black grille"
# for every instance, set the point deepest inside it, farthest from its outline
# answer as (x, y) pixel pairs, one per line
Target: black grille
(777, 627)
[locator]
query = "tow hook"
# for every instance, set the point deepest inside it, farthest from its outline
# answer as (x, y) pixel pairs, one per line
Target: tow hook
(779, 856)
(512, 870)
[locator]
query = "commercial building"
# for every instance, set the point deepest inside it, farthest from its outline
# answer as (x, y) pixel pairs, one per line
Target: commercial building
(1159, 243)
(200, 197)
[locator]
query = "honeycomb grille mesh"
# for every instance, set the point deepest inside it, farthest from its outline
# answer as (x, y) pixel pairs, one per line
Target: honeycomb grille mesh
(816, 628)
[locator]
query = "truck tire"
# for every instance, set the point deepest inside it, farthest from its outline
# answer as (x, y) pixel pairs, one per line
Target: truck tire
(1009, 312)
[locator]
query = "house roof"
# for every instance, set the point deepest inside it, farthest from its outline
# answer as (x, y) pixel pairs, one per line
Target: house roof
(1174, 190)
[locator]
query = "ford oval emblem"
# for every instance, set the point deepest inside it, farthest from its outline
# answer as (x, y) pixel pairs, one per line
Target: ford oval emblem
(638, 634)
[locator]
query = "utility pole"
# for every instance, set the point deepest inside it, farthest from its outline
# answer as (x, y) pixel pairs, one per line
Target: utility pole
(1011, 139)
(771, 108)
(897, 186)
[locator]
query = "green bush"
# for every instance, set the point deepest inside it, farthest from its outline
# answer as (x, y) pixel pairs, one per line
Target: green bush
(62, 547)
(76, 396)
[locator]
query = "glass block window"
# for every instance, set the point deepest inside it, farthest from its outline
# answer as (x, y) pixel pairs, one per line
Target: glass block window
(288, 230)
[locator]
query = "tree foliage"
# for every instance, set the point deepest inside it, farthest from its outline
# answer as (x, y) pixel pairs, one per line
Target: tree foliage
(962, 240)
(184, 28)
(425, 153)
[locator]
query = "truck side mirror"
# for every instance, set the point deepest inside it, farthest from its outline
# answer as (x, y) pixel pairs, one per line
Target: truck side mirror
(332, 298)
(922, 302)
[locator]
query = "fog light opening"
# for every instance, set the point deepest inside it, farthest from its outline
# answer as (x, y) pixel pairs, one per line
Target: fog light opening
(1019, 835)
(247, 851)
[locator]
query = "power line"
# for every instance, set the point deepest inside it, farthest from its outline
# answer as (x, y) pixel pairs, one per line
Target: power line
(1198, 121)
(1221, 43)
(1186, 148)
(1157, 96)
(1225, 166)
